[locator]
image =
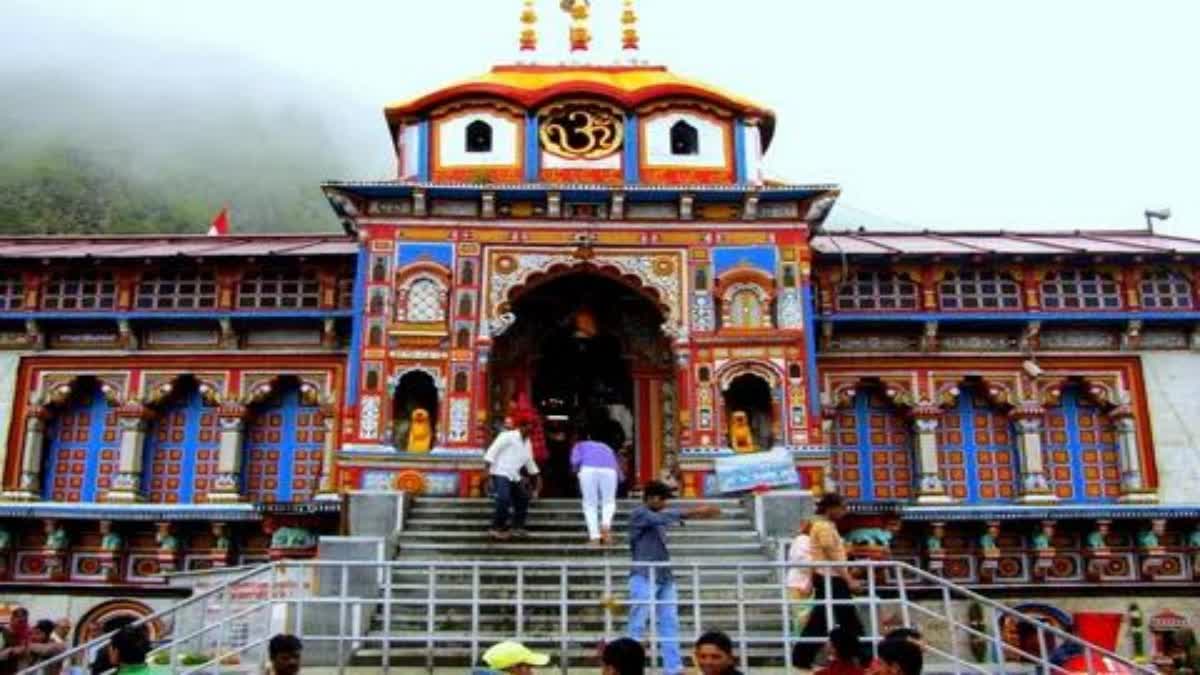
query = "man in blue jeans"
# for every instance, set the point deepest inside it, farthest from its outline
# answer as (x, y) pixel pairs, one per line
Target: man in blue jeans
(648, 543)
(511, 453)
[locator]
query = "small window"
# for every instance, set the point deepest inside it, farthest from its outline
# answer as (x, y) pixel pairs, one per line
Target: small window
(979, 289)
(460, 383)
(685, 140)
(80, 290)
(379, 269)
(876, 290)
(794, 371)
(280, 289)
(177, 290)
(468, 272)
(462, 339)
(704, 375)
(1080, 289)
(464, 305)
(479, 136)
(372, 380)
(12, 292)
(1164, 289)
(375, 336)
(701, 280)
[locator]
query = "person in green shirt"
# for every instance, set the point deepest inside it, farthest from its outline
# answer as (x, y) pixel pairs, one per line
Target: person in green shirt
(128, 649)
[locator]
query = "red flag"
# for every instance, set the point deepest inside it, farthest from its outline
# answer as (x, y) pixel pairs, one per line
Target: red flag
(220, 224)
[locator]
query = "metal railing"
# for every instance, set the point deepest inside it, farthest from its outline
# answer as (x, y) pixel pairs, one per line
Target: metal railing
(426, 615)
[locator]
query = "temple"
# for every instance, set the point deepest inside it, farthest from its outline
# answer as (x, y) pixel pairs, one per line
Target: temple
(1010, 409)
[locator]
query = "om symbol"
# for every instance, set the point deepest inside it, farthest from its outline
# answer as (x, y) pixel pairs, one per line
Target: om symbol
(582, 132)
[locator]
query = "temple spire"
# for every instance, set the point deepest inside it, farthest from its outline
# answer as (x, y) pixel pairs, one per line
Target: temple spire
(629, 31)
(581, 35)
(529, 28)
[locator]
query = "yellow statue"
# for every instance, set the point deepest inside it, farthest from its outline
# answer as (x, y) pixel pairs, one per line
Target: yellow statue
(741, 436)
(420, 434)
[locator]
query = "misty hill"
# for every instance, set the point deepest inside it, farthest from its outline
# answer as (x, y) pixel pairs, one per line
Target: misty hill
(157, 141)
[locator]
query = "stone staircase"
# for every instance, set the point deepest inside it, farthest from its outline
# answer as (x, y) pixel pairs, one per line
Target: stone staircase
(450, 530)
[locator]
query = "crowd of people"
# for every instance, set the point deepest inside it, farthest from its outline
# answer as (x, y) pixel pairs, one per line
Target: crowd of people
(23, 644)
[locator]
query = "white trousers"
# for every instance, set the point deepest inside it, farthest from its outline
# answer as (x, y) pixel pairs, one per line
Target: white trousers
(599, 488)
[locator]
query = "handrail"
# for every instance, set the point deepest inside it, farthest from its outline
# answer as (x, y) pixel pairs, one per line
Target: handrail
(84, 648)
(530, 610)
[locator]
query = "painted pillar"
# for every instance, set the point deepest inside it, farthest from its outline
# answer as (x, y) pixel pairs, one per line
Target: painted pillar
(132, 418)
(480, 432)
(1133, 482)
(328, 487)
(29, 478)
(1027, 419)
(683, 398)
(930, 489)
(227, 483)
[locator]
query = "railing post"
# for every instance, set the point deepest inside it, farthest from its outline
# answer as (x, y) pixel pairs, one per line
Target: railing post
(608, 596)
(652, 610)
(785, 595)
(387, 619)
(951, 624)
(873, 610)
(475, 599)
(341, 636)
(741, 618)
(520, 628)
(998, 640)
(696, 618)
(430, 603)
(564, 602)
(903, 591)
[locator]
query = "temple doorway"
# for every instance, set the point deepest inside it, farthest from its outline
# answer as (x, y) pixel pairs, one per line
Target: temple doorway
(588, 351)
(749, 413)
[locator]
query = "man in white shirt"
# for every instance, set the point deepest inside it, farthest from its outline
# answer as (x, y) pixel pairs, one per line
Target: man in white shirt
(509, 453)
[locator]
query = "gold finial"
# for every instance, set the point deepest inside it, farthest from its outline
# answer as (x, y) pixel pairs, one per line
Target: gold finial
(581, 36)
(529, 28)
(629, 32)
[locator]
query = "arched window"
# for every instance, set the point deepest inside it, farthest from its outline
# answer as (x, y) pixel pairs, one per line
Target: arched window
(1080, 289)
(871, 450)
(177, 289)
(182, 448)
(424, 302)
(976, 453)
(1080, 450)
(746, 309)
(12, 292)
(280, 289)
(285, 440)
(83, 447)
(1166, 289)
(479, 136)
(685, 140)
(876, 290)
(979, 289)
(80, 290)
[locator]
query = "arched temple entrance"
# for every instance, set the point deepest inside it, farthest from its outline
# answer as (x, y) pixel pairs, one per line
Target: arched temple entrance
(750, 413)
(590, 353)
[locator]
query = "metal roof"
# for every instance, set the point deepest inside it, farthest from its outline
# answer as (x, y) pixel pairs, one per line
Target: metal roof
(1078, 242)
(159, 246)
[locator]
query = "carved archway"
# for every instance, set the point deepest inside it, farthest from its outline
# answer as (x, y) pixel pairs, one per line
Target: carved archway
(159, 389)
(654, 275)
(56, 389)
(259, 390)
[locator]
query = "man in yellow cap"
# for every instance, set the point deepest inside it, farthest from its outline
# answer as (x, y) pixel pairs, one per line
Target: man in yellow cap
(514, 658)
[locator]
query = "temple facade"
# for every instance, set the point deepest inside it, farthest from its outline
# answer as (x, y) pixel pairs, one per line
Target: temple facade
(601, 243)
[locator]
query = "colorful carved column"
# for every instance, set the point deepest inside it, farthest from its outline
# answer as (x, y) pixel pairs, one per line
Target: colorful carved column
(1043, 549)
(1133, 483)
(126, 487)
(328, 486)
(683, 371)
(232, 419)
(29, 480)
(1027, 420)
(111, 546)
(930, 489)
(54, 549)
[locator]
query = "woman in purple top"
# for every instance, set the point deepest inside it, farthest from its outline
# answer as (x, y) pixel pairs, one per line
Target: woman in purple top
(596, 465)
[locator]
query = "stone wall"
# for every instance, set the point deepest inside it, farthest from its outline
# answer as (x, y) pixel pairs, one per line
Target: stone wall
(1173, 393)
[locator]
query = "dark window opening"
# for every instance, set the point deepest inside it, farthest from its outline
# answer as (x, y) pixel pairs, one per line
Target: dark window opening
(479, 136)
(685, 140)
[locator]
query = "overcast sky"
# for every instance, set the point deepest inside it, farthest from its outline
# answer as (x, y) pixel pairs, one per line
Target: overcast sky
(930, 113)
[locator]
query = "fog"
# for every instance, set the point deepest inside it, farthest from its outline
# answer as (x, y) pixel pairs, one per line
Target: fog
(147, 115)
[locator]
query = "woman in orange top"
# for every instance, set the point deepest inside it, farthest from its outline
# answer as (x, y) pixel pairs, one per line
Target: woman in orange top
(829, 583)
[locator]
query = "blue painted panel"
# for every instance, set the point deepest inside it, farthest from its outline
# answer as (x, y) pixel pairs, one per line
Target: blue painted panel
(442, 254)
(282, 456)
(764, 258)
(83, 451)
(808, 301)
(424, 149)
(632, 156)
(181, 454)
(354, 358)
(533, 150)
(739, 153)
(983, 455)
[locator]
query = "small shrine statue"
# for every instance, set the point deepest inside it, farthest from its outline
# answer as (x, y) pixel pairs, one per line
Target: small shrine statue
(56, 538)
(1043, 538)
(420, 432)
(1147, 539)
(988, 543)
(933, 542)
(5, 539)
(1097, 539)
(111, 541)
(741, 436)
(1194, 538)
